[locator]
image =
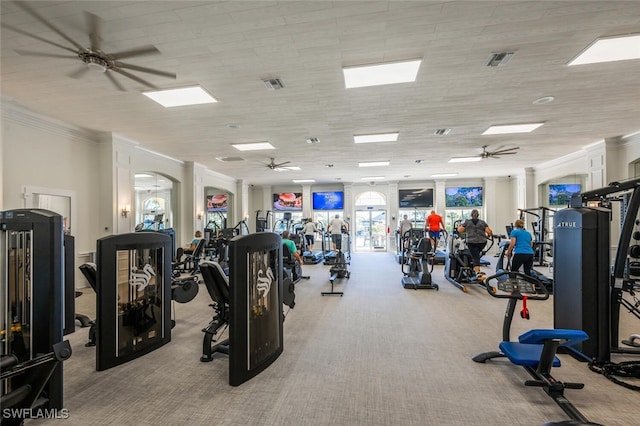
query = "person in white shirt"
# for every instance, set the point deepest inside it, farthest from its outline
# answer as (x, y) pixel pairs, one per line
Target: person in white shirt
(336, 228)
(309, 231)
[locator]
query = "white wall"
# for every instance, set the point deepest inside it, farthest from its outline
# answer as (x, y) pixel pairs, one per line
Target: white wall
(45, 153)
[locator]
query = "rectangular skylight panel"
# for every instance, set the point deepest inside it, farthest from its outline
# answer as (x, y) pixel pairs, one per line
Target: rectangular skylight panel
(512, 128)
(380, 74)
(304, 180)
(372, 178)
(465, 159)
(382, 137)
(609, 49)
(256, 146)
(195, 95)
(443, 175)
(373, 163)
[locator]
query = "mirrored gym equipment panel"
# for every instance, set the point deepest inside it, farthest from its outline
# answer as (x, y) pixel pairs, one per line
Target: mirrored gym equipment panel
(133, 301)
(31, 295)
(255, 329)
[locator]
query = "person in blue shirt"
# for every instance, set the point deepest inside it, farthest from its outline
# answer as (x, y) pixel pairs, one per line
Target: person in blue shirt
(520, 248)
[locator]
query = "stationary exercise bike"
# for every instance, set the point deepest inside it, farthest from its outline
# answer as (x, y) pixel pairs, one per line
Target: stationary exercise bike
(536, 349)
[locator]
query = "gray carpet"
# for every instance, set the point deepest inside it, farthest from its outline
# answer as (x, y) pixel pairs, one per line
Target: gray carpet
(379, 355)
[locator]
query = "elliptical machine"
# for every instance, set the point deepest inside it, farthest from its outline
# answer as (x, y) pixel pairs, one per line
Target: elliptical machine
(458, 266)
(416, 248)
(340, 268)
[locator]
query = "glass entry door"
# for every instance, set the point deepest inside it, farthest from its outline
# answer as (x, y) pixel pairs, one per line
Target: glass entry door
(371, 230)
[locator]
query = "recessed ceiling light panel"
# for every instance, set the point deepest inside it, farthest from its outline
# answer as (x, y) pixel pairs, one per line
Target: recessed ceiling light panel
(304, 180)
(256, 146)
(544, 100)
(184, 96)
(436, 175)
(609, 49)
(464, 159)
(373, 163)
(511, 128)
(372, 178)
(381, 137)
(229, 159)
(380, 74)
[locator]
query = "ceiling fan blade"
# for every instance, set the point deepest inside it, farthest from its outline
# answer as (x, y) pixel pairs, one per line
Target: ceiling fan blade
(144, 69)
(281, 164)
(134, 78)
(115, 82)
(94, 27)
(46, 55)
(44, 40)
(79, 72)
(140, 51)
(32, 12)
(506, 151)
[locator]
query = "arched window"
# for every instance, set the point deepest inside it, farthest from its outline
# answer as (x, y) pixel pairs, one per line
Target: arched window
(371, 198)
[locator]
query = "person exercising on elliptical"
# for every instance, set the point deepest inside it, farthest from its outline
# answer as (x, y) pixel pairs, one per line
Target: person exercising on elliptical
(521, 247)
(477, 234)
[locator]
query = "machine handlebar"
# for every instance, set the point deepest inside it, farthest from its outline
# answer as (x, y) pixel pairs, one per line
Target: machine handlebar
(516, 285)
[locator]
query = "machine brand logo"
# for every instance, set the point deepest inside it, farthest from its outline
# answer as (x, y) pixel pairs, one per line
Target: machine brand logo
(264, 282)
(567, 225)
(141, 278)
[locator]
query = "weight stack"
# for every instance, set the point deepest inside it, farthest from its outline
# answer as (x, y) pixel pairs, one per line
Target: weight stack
(581, 276)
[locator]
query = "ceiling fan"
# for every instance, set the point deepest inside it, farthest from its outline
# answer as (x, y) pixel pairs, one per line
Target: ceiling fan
(487, 154)
(93, 57)
(498, 152)
(279, 167)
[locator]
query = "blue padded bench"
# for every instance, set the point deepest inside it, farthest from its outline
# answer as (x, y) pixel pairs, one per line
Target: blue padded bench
(528, 350)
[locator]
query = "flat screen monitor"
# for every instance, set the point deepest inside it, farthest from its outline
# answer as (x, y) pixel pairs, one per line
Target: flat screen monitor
(415, 198)
(463, 196)
(217, 203)
(287, 201)
(333, 200)
(560, 193)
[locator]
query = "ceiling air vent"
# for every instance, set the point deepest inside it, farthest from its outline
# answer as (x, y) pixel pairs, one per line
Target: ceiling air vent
(273, 84)
(313, 140)
(499, 59)
(229, 159)
(442, 132)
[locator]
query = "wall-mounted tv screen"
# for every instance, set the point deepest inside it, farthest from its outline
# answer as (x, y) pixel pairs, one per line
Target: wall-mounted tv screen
(328, 200)
(464, 196)
(287, 201)
(415, 198)
(560, 193)
(217, 203)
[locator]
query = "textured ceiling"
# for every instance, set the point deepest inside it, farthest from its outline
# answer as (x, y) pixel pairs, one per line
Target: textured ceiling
(230, 47)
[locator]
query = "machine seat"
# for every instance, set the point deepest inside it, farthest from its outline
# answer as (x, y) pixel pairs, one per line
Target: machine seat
(528, 350)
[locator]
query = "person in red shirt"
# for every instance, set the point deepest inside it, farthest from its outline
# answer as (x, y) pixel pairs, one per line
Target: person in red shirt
(434, 224)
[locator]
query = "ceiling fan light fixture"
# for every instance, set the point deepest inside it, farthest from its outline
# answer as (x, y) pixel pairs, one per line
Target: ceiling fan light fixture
(97, 64)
